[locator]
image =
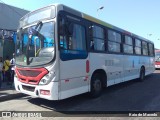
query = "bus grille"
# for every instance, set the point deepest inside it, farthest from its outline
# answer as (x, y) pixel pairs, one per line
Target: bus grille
(29, 75)
(28, 88)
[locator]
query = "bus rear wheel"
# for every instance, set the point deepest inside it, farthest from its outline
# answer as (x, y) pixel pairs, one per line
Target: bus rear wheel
(96, 86)
(142, 74)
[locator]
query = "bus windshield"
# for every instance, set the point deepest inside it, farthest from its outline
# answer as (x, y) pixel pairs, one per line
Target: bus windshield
(35, 44)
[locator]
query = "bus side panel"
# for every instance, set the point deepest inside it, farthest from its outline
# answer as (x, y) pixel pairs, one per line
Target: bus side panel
(148, 62)
(133, 64)
(73, 78)
(152, 64)
(131, 67)
(114, 63)
(110, 63)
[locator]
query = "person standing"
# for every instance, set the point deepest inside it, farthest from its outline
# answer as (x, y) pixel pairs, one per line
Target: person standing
(1, 69)
(12, 62)
(6, 70)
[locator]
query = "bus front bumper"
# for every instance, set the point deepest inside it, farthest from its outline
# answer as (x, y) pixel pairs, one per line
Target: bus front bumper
(49, 92)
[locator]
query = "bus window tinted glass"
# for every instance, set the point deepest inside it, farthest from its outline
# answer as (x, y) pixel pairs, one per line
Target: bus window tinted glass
(144, 48)
(128, 40)
(113, 47)
(137, 47)
(114, 36)
(77, 39)
(137, 43)
(138, 50)
(98, 32)
(151, 49)
(128, 49)
(97, 42)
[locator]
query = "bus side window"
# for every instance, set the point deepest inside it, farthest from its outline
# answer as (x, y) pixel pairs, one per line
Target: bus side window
(92, 45)
(114, 41)
(151, 49)
(97, 36)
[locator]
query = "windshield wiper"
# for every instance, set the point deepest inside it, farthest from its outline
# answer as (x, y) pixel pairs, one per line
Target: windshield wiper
(39, 24)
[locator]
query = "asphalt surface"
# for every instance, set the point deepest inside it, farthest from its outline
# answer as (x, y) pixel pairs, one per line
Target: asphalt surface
(131, 96)
(128, 96)
(8, 92)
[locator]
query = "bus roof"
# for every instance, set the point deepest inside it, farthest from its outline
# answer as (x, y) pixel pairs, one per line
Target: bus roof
(90, 18)
(93, 19)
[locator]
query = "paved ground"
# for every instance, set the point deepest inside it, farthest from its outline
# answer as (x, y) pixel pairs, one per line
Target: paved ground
(8, 92)
(138, 95)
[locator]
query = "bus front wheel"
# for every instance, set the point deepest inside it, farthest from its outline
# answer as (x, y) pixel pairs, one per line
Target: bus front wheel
(96, 86)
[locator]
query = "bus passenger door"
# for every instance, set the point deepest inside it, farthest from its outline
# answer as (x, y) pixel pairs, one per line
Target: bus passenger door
(73, 60)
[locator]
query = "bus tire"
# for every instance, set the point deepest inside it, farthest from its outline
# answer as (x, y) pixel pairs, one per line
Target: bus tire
(142, 74)
(96, 86)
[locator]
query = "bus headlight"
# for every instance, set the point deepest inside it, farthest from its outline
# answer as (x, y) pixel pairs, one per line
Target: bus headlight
(47, 79)
(43, 81)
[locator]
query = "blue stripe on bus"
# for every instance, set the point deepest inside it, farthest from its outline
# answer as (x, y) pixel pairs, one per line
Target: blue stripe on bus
(72, 54)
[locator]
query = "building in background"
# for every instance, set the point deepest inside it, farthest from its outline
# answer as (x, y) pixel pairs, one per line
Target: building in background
(9, 20)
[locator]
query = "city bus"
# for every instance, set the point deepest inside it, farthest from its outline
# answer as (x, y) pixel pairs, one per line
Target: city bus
(61, 52)
(157, 59)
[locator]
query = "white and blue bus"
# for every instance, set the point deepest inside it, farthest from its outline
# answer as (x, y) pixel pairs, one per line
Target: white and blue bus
(61, 52)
